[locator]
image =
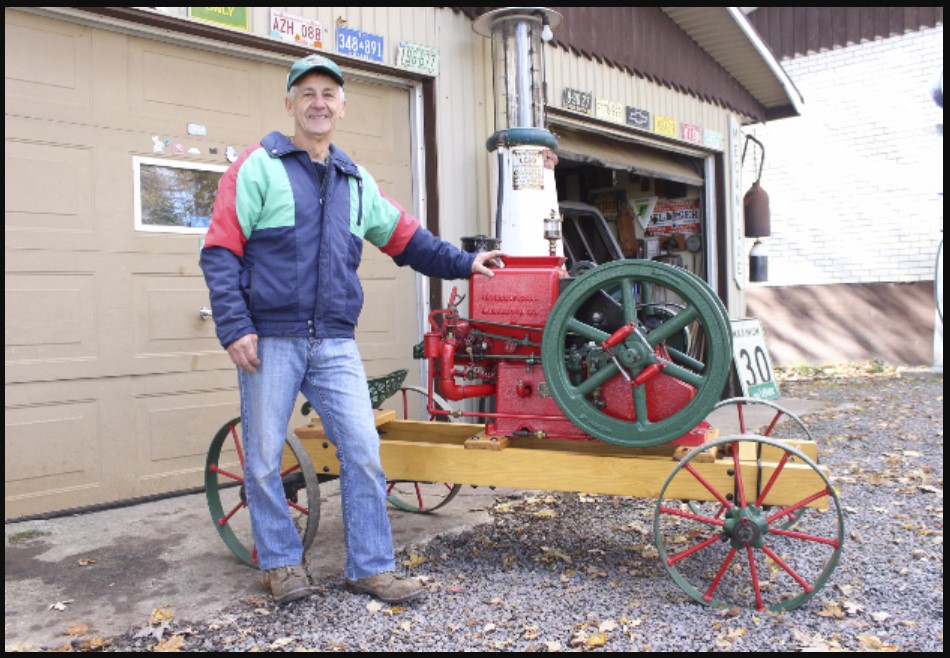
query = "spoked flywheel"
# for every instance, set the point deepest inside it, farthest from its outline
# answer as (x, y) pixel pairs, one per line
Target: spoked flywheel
(722, 524)
(636, 353)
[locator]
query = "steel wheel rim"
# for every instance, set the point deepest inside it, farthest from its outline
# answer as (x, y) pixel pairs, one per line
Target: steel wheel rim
(228, 483)
(698, 574)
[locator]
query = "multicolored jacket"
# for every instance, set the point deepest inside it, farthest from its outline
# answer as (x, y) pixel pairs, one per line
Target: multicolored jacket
(278, 264)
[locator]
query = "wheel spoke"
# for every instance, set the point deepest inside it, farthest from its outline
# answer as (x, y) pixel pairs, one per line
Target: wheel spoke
(722, 499)
(672, 326)
(677, 372)
(755, 577)
(708, 596)
(737, 478)
(676, 557)
(584, 330)
(791, 572)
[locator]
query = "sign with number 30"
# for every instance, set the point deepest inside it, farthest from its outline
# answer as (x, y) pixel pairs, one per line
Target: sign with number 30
(753, 364)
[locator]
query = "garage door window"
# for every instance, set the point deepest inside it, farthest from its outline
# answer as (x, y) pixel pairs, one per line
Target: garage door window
(174, 196)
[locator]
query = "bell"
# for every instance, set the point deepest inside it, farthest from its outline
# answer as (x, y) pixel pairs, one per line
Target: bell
(755, 205)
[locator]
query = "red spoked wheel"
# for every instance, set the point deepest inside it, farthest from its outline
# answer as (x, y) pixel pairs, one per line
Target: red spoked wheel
(224, 490)
(420, 497)
(720, 525)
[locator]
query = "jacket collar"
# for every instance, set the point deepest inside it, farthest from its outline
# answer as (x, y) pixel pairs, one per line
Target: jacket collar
(279, 145)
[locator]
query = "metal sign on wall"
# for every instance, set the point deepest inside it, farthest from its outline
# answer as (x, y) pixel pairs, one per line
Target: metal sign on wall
(752, 360)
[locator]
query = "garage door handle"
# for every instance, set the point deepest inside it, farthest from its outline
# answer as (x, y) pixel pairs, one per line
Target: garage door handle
(204, 313)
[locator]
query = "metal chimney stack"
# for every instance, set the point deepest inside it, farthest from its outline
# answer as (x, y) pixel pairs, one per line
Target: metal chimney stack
(524, 200)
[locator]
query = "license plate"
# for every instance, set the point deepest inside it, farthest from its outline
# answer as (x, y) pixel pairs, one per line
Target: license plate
(417, 58)
(359, 44)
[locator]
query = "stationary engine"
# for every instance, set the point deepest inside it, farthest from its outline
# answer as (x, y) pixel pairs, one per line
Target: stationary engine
(632, 352)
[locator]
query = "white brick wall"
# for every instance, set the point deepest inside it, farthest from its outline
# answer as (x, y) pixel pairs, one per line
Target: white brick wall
(854, 183)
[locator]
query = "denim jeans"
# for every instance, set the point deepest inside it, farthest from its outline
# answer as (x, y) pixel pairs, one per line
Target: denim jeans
(330, 374)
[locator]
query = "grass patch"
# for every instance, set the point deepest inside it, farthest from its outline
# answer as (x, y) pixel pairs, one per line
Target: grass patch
(26, 536)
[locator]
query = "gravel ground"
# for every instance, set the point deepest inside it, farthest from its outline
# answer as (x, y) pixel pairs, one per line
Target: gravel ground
(580, 572)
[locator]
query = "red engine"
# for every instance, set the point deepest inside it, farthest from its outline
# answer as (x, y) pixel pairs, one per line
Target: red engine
(496, 355)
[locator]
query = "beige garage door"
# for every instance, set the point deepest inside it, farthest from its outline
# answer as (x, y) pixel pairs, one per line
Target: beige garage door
(114, 386)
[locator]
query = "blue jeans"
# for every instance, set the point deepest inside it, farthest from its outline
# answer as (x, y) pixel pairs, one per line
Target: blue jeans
(330, 374)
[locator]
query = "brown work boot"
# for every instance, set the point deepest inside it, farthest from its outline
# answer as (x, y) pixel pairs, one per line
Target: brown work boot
(287, 583)
(387, 587)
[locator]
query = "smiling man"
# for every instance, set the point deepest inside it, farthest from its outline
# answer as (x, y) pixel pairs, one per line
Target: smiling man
(280, 260)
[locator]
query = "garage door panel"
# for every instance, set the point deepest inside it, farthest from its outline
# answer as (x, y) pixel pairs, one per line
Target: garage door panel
(54, 430)
(50, 315)
(167, 316)
(176, 428)
(47, 186)
(221, 86)
(57, 70)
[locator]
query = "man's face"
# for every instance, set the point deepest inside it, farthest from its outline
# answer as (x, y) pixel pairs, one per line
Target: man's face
(316, 103)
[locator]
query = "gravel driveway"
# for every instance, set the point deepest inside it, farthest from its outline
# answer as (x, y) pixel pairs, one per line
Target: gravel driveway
(580, 572)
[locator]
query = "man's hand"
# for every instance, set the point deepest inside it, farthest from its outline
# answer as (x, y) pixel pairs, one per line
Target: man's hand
(485, 260)
(243, 352)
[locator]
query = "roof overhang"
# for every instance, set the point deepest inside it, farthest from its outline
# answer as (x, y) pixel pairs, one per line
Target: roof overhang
(727, 35)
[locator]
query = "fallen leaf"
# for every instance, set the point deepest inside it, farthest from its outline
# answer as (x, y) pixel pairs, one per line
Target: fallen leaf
(414, 560)
(607, 625)
(598, 639)
(871, 643)
(93, 643)
(374, 606)
(172, 644)
(165, 613)
(76, 628)
(831, 609)
(556, 553)
(85, 561)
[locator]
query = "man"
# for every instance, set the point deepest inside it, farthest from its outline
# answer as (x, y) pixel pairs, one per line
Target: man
(280, 261)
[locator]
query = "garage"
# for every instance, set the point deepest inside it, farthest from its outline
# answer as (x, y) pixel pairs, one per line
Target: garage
(114, 381)
(651, 202)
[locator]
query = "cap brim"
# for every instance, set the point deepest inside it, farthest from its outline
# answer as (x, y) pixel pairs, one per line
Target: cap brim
(318, 68)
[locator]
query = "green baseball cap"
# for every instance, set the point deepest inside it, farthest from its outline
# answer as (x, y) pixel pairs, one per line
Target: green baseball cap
(313, 63)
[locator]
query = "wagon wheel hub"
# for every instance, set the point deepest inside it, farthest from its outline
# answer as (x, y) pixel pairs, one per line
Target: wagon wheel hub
(746, 526)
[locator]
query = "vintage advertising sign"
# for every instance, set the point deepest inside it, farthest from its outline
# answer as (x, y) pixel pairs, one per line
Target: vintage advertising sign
(359, 44)
(638, 118)
(579, 101)
(527, 169)
(712, 139)
(238, 17)
(752, 360)
(674, 216)
(692, 133)
(296, 29)
(609, 110)
(664, 125)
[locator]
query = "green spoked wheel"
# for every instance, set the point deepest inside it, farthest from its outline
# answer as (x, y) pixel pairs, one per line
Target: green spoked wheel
(224, 490)
(637, 353)
(409, 495)
(721, 531)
